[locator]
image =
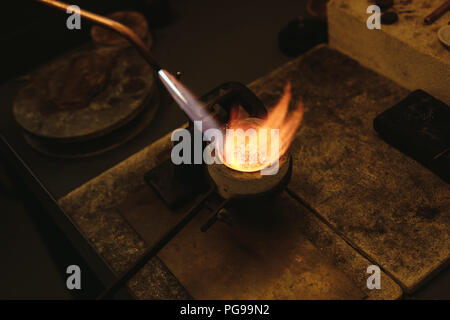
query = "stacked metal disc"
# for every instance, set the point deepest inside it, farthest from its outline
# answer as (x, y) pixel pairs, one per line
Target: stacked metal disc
(92, 99)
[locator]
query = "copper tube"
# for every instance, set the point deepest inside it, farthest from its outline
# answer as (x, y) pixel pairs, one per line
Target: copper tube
(115, 26)
(439, 12)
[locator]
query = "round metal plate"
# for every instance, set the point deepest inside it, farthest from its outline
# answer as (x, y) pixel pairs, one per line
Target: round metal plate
(49, 106)
(93, 147)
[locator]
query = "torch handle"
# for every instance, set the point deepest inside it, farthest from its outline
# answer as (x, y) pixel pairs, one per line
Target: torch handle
(115, 26)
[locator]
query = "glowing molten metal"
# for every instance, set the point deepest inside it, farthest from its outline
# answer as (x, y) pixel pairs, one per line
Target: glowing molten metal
(252, 144)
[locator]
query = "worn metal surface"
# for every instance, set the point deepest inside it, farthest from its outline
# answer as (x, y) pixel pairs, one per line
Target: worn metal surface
(97, 146)
(387, 205)
(59, 102)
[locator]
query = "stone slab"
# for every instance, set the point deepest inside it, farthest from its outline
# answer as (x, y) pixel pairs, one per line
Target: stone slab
(92, 207)
(263, 255)
(394, 210)
(274, 249)
(407, 52)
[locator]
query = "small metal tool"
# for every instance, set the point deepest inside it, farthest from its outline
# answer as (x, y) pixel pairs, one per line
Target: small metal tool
(439, 12)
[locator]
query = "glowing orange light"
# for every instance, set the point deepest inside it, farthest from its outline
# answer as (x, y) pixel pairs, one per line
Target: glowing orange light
(268, 139)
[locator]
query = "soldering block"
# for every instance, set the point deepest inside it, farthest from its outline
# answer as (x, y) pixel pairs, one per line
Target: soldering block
(408, 51)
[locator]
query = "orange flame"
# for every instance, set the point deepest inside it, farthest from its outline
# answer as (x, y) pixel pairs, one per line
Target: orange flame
(252, 145)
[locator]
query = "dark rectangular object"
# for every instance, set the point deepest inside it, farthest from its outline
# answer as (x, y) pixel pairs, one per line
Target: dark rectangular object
(419, 126)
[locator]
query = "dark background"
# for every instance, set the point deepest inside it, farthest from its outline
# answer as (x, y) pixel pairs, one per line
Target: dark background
(210, 42)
